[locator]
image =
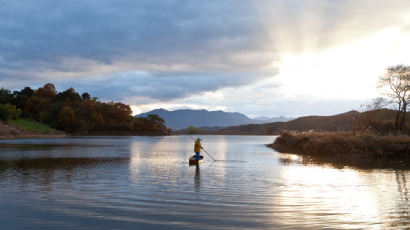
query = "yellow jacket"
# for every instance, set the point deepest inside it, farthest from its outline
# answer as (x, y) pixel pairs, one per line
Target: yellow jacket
(197, 147)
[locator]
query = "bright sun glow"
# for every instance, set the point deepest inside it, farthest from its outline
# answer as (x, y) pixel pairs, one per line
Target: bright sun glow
(348, 71)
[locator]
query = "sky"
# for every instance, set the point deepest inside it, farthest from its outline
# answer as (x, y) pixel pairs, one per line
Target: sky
(256, 57)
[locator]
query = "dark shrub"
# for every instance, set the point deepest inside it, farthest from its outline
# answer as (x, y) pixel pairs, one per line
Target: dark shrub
(8, 112)
(4, 113)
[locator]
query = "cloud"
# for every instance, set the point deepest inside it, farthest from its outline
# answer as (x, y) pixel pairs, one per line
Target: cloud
(156, 86)
(264, 104)
(150, 51)
(229, 36)
(41, 36)
(182, 46)
(313, 25)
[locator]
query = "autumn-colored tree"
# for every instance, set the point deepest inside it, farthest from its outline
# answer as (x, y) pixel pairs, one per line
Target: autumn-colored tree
(122, 112)
(48, 90)
(67, 120)
(35, 105)
(156, 123)
(97, 121)
(73, 113)
(87, 109)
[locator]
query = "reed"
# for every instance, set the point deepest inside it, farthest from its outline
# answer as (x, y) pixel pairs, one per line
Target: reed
(344, 144)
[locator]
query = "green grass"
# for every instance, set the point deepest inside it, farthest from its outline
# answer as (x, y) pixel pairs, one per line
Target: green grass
(33, 126)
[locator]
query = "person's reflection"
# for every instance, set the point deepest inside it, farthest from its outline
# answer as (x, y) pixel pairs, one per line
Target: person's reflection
(197, 179)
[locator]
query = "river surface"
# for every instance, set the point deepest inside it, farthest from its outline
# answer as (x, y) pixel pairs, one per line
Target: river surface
(146, 183)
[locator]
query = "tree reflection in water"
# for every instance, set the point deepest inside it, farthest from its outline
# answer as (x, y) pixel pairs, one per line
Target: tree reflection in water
(43, 170)
(403, 202)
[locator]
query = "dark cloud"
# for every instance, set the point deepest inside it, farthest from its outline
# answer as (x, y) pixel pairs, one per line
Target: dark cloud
(161, 86)
(47, 31)
(170, 48)
(183, 46)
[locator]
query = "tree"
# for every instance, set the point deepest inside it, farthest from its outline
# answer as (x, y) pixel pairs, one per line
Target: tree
(156, 123)
(85, 96)
(21, 97)
(73, 113)
(97, 121)
(4, 113)
(397, 82)
(194, 130)
(35, 105)
(67, 120)
(27, 91)
(122, 112)
(48, 90)
(8, 111)
(5, 96)
(69, 96)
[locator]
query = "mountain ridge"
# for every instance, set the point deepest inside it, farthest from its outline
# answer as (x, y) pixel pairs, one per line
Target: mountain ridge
(183, 118)
(338, 122)
(379, 121)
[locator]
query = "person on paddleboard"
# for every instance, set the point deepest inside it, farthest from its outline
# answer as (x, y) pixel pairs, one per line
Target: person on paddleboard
(197, 148)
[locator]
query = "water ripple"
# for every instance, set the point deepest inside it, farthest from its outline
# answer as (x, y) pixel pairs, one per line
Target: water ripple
(146, 183)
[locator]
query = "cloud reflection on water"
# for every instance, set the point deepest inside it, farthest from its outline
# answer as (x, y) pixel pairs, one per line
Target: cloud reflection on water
(146, 182)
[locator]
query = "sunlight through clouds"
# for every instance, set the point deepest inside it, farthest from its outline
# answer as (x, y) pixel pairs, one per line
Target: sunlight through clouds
(344, 76)
(344, 72)
(240, 56)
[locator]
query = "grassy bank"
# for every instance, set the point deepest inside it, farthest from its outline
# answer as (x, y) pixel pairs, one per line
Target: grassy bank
(33, 126)
(27, 129)
(346, 148)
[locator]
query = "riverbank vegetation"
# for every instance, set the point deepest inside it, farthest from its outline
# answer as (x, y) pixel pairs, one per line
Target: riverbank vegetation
(372, 140)
(73, 113)
(346, 147)
(379, 135)
(369, 134)
(191, 130)
(27, 129)
(33, 126)
(396, 86)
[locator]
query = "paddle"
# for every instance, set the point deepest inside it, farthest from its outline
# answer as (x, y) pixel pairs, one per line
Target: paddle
(203, 148)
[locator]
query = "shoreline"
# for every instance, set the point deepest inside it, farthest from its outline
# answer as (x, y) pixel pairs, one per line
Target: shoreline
(41, 136)
(33, 136)
(347, 149)
(9, 131)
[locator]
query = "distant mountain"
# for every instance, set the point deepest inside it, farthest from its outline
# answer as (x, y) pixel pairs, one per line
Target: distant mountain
(262, 120)
(181, 119)
(340, 122)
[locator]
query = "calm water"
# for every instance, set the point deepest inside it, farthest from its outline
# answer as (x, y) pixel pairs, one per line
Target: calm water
(146, 182)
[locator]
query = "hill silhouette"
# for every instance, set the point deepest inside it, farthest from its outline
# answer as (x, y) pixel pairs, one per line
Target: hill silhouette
(340, 122)
(183, 118)
(380, 121)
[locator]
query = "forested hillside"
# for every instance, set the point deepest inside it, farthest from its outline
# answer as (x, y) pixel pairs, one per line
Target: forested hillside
(76, 114)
